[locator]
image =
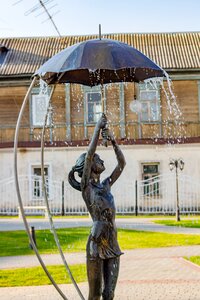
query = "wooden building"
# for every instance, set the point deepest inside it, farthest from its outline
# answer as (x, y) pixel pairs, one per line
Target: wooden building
(153, 129)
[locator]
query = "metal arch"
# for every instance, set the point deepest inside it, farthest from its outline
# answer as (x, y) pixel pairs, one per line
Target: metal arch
(19, 194)
(47, 203)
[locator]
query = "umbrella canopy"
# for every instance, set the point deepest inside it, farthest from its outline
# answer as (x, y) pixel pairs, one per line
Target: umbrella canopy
(98, 61)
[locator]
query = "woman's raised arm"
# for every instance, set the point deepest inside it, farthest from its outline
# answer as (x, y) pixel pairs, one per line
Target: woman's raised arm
(91, 151)
(120, 158)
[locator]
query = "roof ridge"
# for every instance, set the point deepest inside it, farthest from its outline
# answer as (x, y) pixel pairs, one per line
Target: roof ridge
(108, 33)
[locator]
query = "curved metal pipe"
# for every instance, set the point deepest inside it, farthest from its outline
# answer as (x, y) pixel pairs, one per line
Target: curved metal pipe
(47, 202)
(19, 194)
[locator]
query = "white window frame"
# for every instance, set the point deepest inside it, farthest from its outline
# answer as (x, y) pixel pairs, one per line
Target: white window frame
(32, 178)
(151, 187)
(97, 114)
(145, 88)
(36, 96)
(36, 106)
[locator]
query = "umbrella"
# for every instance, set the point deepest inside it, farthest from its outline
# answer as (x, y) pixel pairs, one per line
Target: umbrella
(98, 61)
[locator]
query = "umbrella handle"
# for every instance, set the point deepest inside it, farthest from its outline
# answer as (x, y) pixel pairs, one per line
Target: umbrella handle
(104, 134)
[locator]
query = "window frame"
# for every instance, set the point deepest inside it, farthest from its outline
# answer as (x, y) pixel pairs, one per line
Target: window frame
(155, 187)
(33, 108)
(32, 177)
(95, 114)
(88, 90)
(147, 87)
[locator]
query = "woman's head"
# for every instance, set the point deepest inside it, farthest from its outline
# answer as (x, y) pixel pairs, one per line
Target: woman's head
(97, 164)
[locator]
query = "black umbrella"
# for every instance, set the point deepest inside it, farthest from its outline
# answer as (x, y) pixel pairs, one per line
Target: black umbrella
(98, 61)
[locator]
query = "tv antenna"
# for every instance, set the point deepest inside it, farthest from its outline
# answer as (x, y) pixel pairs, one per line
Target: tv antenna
(43, 7)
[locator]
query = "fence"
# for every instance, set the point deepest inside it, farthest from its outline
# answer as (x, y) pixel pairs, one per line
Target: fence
(159, 194)
(155, 195)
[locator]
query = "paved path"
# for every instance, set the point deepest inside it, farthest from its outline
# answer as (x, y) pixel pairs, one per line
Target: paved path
(153, 274)
(143, 224)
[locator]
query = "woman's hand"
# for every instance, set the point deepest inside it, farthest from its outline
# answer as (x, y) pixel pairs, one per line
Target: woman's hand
(110, 136)
(102, 122)
(107, 134)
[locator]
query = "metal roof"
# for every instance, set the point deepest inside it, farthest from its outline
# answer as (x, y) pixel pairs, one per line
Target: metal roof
(171, 51)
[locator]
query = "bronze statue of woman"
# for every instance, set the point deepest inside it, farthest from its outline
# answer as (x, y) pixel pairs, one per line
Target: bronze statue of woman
(103, 252)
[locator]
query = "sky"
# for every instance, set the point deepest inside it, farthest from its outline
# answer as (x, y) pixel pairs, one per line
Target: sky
(82, 17)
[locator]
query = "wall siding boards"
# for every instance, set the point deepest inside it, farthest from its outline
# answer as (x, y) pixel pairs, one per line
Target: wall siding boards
(186, 93)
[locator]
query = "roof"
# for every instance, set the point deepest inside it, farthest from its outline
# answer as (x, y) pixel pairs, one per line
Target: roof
(171, 51)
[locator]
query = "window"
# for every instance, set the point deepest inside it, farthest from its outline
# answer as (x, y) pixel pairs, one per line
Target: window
(93, 106)
(36, 182)
(149, 98)
(39, 108)
(150, 179)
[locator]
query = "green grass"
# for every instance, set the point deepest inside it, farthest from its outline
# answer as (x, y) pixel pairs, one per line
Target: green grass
(36, 276)
(17, 243)
(129, 239)
(195, 223)
(75, 239)
(194, 259)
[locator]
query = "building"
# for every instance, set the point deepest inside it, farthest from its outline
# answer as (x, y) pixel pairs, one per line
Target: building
(153, 129)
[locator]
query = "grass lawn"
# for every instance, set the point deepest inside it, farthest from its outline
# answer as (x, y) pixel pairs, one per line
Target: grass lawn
(129, 239)
(195, 223)
(75, 239)
(194, 259)
(17, 243)
(36, 276)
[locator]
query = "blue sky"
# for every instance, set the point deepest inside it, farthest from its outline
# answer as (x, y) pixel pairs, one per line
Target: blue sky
(79, 17)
